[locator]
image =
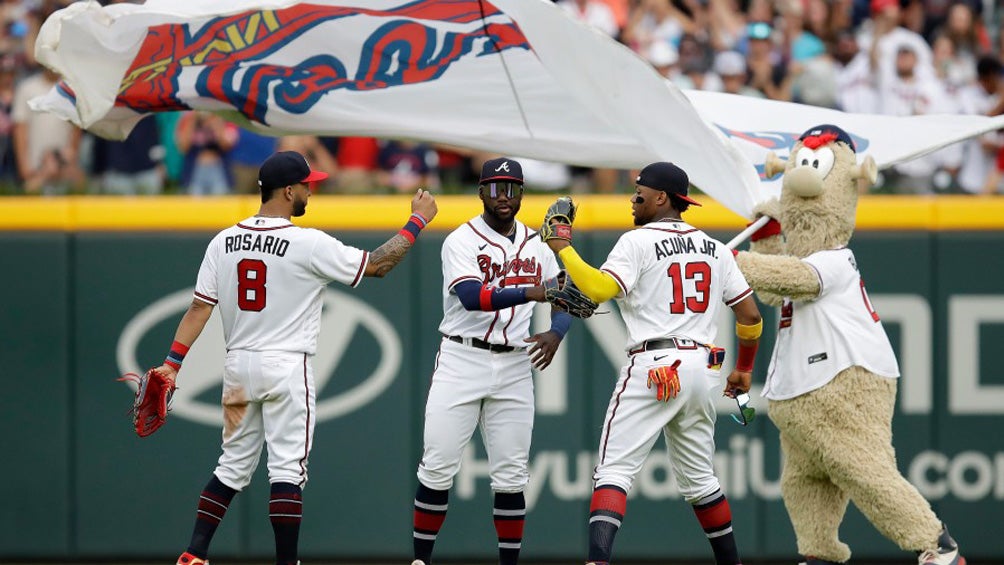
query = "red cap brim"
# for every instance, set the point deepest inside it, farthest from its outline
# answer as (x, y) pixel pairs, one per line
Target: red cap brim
(687, 199)
(315, 176)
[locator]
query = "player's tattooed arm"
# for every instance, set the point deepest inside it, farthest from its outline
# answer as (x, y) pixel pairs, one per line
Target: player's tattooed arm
(387, 256)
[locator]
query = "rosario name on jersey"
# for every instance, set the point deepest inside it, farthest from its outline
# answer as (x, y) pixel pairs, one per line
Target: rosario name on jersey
(266, 275)
(476, 252)
(673, 279)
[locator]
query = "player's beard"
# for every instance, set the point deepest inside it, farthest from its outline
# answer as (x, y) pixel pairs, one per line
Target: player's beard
(299, 208)
(504, 218)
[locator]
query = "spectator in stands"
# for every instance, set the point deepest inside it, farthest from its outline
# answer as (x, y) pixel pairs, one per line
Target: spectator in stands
(730, 66)
(47, 147)
(883, 37)
(664, 58)
(726, 25)
(316, 153)
(957, 45)
(406, 166)
(248, 154)
(856, 86)
(652, 20)
(132, 166)
(174, 160)
(357, 165)
(910, 94)
(767, 69)
(978, 173)
(206, 140)
(595, 13)
(8, 167)
(695, 63)
(813, 73)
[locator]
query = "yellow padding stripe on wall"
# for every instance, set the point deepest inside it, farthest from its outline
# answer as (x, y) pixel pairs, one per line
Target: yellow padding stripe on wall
(385, 212)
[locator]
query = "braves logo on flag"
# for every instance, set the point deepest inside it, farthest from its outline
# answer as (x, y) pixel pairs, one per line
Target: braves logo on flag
(235, 53)
(779, 142)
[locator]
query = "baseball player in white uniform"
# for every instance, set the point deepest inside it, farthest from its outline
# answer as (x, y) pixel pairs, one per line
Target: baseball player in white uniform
(670, 280)
(267, 276)
(493, 269)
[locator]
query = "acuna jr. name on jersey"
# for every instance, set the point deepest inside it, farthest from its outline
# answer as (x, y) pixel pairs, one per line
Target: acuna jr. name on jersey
(257, 242)
(671, 246)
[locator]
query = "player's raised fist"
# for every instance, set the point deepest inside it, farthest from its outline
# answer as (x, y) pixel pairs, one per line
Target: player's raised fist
(424, 204)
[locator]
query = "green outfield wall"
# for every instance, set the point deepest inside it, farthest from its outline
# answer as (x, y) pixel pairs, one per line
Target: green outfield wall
(83, 307)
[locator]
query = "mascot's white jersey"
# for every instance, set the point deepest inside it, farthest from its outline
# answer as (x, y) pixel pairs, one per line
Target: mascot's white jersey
(673, 278)
(267, 275)
(476, 252)
(819, 338)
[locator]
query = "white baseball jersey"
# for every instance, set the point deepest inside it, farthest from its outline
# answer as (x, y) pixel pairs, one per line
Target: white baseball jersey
(476, 252)
(267, 275)
(674, 278)
(819, 338)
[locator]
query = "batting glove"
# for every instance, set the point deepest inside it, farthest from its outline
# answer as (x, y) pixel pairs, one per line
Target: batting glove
(667, 381)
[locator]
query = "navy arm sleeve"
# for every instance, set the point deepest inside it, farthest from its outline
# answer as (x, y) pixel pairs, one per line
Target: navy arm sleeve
(470, 295)
(560, 322)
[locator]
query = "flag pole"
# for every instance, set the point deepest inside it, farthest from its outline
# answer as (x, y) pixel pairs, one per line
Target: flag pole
(746, 233)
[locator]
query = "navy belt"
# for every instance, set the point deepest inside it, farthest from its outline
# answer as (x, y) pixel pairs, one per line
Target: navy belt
(481, 344)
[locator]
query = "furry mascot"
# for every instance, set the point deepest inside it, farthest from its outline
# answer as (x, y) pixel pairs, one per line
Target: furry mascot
(832, 380)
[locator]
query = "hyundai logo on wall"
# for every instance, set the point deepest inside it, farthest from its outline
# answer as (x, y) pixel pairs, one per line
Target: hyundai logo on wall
(342, 316)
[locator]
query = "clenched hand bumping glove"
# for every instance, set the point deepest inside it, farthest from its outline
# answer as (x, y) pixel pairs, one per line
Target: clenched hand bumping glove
(558, 220)
(666, 380)
(153, 397)
(562, 293)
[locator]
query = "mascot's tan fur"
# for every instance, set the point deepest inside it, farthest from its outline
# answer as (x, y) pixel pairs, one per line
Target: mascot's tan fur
(836, 439)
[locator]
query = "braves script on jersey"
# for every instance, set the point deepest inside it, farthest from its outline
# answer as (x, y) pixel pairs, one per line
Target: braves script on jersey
(476, 252)
(819, 338)
(244, 262)
(674, 279)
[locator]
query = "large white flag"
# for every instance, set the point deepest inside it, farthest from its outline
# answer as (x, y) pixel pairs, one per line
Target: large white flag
(510, 76)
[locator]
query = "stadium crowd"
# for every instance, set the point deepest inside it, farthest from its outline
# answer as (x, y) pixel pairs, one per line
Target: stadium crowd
(894, 57)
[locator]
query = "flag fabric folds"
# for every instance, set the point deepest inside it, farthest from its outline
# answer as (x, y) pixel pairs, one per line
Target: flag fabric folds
(515, 77)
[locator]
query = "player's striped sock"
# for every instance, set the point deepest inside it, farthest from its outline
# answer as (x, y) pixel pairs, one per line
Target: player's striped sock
(430, 512)
(285, 511)
(606, 512)
(510, 515)
(715, 516)
(213, 504)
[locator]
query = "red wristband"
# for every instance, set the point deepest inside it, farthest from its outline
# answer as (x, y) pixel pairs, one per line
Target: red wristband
(486, 298)
(772, 227)
(177, 355)
(746, 357)
(413, 227)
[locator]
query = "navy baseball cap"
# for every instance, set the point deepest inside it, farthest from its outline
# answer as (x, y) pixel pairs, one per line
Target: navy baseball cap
(501, 169)
(286, 168)
(668, 178)
(823, 134)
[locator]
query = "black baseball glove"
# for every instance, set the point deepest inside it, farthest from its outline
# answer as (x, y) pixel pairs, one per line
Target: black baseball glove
(558, 220)
(562, 293)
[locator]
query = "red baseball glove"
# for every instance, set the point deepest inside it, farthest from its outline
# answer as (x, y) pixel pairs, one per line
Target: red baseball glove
(153, 398)
(666, 381)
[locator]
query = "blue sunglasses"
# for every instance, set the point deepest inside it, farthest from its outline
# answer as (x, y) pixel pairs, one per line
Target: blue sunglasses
(747, 412)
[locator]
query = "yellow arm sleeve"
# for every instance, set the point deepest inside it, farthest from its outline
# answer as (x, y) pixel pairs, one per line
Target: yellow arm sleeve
(594, 283)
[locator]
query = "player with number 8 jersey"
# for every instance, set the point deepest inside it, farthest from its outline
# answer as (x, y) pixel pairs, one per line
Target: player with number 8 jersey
(267, 276)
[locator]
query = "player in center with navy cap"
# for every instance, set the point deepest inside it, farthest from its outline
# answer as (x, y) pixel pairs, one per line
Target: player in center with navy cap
(493, 270)
(670, 280)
